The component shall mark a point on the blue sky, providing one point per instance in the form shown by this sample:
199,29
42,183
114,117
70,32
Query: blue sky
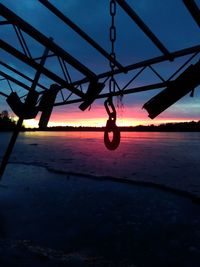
168,19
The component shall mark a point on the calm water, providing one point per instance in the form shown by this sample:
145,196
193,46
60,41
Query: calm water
171,159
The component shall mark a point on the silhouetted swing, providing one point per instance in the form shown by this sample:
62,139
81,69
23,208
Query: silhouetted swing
46,105
26,110
94,89
185,83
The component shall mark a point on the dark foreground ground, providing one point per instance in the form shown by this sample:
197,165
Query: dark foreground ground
48,219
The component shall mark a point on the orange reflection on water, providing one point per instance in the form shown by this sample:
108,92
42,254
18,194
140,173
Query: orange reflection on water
149,155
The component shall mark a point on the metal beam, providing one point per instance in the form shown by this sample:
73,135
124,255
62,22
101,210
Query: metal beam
5,22
10,78
118,93
151,61
193,9
156,60
18,127
38,58
21,74
42,39
78,30
132,14
3,94
8,48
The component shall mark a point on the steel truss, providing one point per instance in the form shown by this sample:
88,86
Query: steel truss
75,90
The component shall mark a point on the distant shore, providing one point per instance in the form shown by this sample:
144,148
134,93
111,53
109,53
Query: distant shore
7,125
168,127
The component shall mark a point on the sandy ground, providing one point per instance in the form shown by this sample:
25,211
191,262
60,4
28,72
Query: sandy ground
49,219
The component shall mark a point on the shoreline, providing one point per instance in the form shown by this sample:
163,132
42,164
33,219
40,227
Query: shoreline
179,192
187,126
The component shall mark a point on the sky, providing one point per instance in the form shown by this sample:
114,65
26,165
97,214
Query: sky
169,20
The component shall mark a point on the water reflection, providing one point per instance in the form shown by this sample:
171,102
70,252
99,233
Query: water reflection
169,158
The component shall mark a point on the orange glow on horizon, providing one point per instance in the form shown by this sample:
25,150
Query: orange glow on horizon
102,122
97,117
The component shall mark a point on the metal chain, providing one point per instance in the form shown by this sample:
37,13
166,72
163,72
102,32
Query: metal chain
113,9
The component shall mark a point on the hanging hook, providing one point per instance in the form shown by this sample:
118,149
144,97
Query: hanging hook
110,108
111,126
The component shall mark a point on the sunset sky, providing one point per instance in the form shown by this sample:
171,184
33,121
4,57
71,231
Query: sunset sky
168,19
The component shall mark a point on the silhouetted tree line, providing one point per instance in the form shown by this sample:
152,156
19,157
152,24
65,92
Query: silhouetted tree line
168,127
6,123
191,126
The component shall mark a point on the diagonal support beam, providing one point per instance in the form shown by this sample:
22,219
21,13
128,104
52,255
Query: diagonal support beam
22,41
8,48
151,61
42,39
132,14
21,118
3,94
21,74
193,9
10,78
118,93
5,22
78,30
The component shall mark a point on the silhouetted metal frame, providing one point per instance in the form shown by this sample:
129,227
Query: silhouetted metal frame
22,41
176,54
11,50
73,87
80,32
148,62
18,127
42,39
10,78
21,74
